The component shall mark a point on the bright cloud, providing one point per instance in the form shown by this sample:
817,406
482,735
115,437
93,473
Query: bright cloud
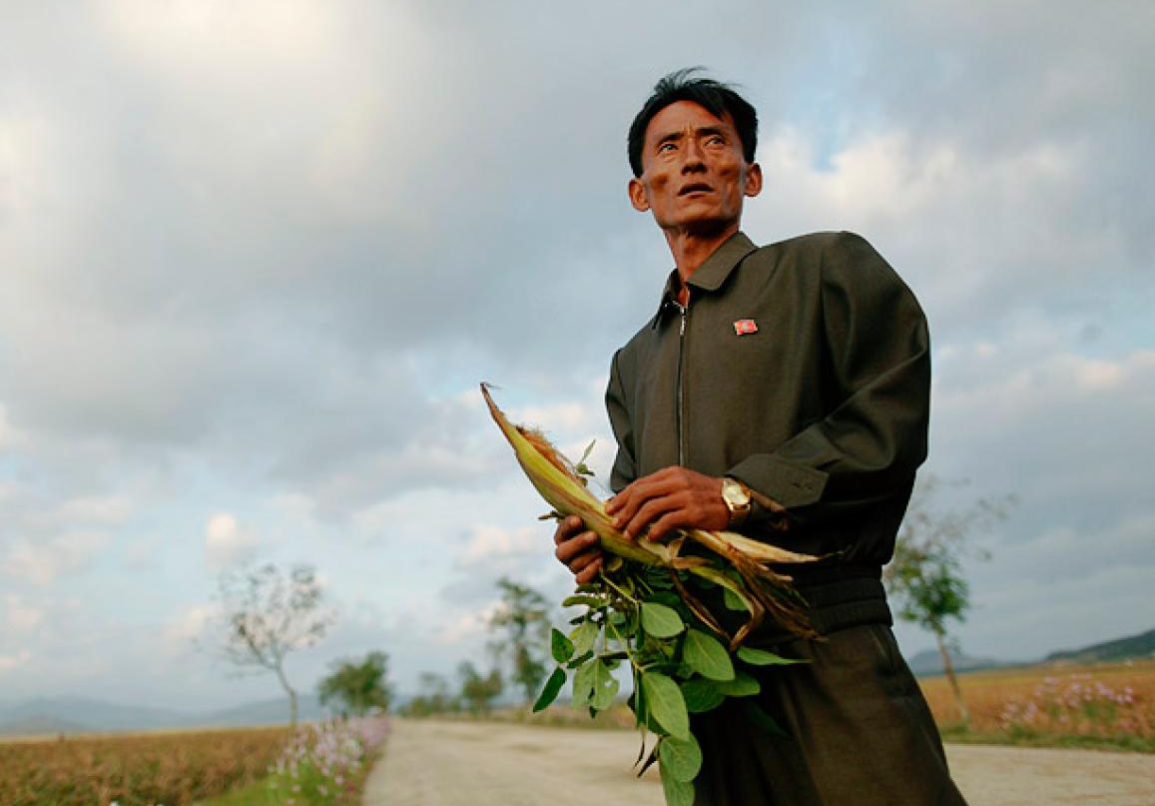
491,542
43,563
226,542
8,662
22,617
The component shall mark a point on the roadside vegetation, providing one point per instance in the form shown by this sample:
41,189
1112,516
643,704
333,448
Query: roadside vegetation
318,764
324,764
136,769
1110,706
1105,705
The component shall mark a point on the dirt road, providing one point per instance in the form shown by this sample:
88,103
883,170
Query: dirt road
429,763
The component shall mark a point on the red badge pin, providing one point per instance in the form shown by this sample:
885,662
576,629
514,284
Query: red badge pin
744,327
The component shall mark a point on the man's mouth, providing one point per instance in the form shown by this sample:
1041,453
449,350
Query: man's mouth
696,188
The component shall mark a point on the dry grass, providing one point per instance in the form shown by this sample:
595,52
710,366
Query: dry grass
1104,701
173,768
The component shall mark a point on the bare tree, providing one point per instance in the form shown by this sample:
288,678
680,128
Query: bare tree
925,576
268,614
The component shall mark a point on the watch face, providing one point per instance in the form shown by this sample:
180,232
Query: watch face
733,494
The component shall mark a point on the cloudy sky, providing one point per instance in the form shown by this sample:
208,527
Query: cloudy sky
255,258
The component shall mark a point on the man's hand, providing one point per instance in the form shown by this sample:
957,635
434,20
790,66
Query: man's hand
578,550
673,498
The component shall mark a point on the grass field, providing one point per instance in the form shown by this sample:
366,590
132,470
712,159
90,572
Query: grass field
322,763
172,768
1105,705
1109,704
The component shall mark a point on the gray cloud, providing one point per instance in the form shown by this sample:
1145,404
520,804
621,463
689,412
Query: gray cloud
266,252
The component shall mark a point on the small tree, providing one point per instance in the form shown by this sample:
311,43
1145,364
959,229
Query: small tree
523,621
269,614
358,687
434,697
478,692
925,576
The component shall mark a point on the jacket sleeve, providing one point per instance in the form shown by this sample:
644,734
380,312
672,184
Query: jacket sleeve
624,469
877,368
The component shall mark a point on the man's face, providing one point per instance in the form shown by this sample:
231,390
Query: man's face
694,177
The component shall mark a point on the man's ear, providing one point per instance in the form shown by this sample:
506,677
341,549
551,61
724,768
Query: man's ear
638,195
753,180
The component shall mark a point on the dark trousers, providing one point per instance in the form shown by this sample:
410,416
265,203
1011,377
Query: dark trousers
859,733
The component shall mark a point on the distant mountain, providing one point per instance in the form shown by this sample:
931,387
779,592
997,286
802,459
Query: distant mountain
71,715
928,663
75,714
1134,646
41,726
265,712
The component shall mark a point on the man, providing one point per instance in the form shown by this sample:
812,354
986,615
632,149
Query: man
782,392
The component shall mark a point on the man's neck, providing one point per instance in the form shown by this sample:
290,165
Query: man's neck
690,249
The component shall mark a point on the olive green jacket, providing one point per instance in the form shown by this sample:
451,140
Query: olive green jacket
802,369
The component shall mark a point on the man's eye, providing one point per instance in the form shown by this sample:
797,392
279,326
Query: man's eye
666,147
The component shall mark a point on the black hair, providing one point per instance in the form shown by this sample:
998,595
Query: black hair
715,97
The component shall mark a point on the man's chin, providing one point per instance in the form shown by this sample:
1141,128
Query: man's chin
705,226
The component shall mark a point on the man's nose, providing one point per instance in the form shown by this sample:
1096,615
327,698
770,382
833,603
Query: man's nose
693,158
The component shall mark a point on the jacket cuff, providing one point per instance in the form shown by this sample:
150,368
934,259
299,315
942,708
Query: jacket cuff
789,485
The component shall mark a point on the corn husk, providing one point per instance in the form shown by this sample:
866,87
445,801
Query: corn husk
764,591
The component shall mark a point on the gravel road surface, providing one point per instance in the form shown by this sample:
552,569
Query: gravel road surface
430,763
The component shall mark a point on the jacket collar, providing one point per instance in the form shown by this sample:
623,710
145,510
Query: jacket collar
710,275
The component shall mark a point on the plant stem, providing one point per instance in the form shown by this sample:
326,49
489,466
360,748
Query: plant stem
625,644
605,578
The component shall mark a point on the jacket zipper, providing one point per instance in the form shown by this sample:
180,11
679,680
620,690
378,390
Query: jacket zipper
679,410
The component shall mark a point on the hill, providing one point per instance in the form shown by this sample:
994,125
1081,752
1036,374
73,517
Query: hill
928,663
1134,646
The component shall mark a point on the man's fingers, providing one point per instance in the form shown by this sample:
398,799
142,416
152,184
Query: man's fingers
567,528
590,572
569,549
582,561
667,523
650,511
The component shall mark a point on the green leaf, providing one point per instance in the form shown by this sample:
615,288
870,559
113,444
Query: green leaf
605,686
583,684
586,454
582,599
743,685
678,793
665,704
623,626
733,601
732,587
637,703
667,597
758,717
701,695
551,690
760,657
584,637
559,646
705,655
681,758
661,621
580,659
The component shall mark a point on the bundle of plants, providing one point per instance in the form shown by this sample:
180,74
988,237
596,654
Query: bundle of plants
648,609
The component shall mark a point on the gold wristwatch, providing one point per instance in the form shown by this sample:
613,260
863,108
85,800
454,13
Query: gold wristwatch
737,498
